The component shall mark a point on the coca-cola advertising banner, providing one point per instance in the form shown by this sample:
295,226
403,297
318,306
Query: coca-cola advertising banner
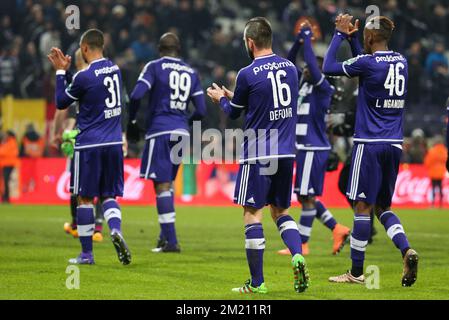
46,181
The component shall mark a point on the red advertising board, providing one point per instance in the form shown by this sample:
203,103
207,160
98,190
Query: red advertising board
46,181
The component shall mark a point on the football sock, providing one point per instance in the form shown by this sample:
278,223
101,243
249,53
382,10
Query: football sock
86,225
73,205
167,216
305,223
290,234
98,217
112,214
359,240
325,215
255,246
395,230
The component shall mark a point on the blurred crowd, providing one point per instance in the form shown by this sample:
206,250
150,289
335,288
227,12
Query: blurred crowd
211,35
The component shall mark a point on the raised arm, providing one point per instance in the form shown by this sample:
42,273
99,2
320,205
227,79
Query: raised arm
310,58
294,52
331,66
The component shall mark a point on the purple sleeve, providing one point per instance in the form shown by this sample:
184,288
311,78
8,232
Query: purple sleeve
240,99
331,66
356,48
134,100
147,75
310,59
230,110
198,100
293,53
64,97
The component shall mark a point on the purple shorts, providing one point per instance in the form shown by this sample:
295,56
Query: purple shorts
374,170
98,172
310,171
256,190
157,164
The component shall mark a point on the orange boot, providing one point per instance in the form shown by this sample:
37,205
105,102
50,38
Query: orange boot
340,235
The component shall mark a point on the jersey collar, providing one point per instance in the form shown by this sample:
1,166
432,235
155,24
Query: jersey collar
98,60
383,52
267,56
171,58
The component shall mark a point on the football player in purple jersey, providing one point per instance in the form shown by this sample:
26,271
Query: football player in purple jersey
267,93
312,143
172,84
378,137
98,154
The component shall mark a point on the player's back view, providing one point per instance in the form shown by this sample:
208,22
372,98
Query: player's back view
172,84
378,138
98,158
267,91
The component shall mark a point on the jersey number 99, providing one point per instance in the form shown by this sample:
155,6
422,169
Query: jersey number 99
180,84
281,91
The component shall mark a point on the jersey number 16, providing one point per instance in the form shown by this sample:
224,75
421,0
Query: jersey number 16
281,91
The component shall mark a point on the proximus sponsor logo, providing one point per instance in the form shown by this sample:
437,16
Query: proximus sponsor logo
106,70
390,58
272,66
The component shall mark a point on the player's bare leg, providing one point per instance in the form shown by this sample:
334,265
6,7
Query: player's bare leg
396,233
113,216
86,226
292,239
167,241
71,227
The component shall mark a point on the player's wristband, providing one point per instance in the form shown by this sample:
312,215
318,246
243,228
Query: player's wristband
60,72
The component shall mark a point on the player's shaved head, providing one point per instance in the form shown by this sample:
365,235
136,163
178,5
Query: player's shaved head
93,38
259,30
169,45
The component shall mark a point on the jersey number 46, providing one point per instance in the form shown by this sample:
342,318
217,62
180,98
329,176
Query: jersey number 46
395,82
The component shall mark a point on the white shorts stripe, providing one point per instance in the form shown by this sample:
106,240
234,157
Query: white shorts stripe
150,156
245,185
356,172
307,170
255,244
76,173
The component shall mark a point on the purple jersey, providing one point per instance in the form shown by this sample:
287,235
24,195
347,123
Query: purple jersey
313,106
172,84
267,90
382,90
97,89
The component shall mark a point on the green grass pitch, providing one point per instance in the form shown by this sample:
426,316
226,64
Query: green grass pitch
34,252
